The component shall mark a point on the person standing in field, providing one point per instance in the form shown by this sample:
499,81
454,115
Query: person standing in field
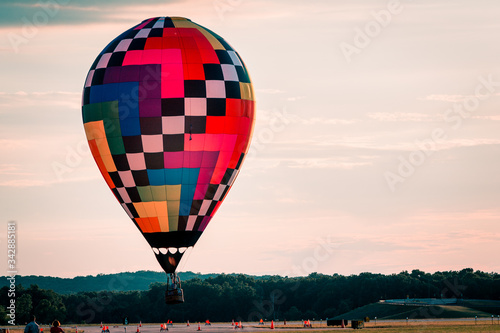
56,327
32,326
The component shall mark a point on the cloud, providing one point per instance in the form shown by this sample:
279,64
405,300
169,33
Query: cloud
19,99
322,120
450,98
475,215
286,117
9,145
405,116
338,162
326,163
27,13
445,98
43,180
420,240
270,91
380,143
296,98
12,169
23,183
351,141
459,143
494,117
292,200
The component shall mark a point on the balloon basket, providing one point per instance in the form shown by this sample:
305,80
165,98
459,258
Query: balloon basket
174,293
174,296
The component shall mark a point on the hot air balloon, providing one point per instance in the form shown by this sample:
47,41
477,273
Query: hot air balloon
168,110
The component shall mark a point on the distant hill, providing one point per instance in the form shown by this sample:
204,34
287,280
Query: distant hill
397,311
125,281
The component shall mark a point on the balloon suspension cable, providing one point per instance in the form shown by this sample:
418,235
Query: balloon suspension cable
183,262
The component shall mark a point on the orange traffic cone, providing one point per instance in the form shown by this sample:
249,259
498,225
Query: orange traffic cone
140,323
342,324
199,327
232,323
272,324
188,323
241,324
76,330
138,330
284,322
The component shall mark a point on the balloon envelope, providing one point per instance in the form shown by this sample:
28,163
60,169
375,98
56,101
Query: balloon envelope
168,110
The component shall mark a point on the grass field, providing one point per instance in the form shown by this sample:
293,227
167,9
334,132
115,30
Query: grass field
396,311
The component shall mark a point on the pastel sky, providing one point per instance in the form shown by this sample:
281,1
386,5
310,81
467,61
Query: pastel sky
376,146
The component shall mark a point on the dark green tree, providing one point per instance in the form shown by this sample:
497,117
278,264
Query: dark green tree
24,308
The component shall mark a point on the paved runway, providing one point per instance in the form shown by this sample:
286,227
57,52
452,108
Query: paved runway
214,327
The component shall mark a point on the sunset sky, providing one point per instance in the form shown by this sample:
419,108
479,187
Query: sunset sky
376,146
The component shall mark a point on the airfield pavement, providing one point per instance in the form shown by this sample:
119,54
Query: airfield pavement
383,326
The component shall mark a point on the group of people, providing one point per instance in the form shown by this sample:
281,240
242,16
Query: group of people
33,327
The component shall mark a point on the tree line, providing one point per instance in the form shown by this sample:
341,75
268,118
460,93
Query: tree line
241,297
124,281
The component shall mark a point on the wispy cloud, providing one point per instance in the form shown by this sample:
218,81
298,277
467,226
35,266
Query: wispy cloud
493,117
326,163
405,116
451,98
322,120
475,215
12,169
270,91
66,99
443,145
338,162
10,145
38,180
459,143
444,98
295,98
23,183
22,12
